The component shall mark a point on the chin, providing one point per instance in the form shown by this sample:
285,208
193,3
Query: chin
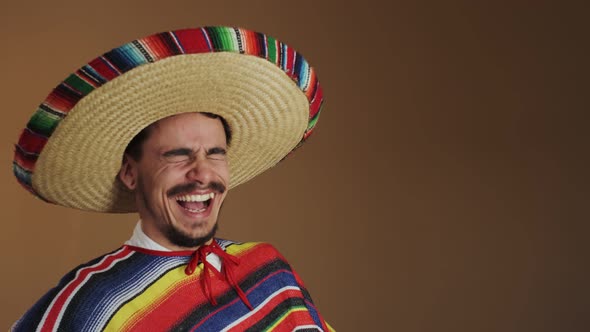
181,239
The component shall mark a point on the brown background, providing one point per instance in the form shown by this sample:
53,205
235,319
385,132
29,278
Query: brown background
445,188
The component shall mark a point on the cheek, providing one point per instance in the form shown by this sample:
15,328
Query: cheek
225,175
158,181
223,172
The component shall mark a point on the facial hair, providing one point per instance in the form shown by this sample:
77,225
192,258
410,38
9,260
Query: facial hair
191,186
177,237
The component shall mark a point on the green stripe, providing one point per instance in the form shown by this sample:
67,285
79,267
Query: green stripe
314,120
43,123
79,84
280,318
224,39
272,49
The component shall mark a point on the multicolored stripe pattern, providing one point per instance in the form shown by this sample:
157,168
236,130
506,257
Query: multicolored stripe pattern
148,50
135,289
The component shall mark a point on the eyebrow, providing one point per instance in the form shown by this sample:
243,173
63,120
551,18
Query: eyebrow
216,150
188,152
178,152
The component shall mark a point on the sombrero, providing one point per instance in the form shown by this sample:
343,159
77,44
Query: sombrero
71,149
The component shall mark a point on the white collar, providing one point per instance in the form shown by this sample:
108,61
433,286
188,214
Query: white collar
141,240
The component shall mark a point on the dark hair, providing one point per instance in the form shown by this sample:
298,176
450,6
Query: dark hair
134,150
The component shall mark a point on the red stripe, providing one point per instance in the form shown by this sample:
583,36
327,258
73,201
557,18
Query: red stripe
59,101
250,42
60,300
26,161
316,102
268,307
246,41
157,46
103,69
290,61
309,304
213,313
307,134
192,40
31,142
82,75
166,312
312,85
277,54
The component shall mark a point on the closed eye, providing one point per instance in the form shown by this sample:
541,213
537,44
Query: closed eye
177,155
217,153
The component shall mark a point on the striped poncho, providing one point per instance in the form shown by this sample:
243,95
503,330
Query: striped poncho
139,289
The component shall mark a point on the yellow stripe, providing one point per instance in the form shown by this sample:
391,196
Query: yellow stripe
141,305
237,249
282,318
159,291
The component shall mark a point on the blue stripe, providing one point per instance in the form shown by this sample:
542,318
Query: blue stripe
126,57
22,174
94,74
256,295
112,289
301,68
313,312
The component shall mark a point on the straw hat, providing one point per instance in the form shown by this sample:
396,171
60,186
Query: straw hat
71,149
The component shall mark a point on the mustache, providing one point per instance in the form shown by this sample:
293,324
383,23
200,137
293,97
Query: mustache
192,186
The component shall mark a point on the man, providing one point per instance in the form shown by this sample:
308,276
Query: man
165,126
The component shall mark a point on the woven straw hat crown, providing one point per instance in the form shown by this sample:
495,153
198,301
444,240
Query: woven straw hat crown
71,149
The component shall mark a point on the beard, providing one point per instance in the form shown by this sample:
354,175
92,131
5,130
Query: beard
173,234
179,238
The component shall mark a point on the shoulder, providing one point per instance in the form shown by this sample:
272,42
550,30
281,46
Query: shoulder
49,309
262,259
259,250
286,304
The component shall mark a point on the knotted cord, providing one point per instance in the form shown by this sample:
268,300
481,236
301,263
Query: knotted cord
228,263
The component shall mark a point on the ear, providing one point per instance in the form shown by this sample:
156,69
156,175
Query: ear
128,172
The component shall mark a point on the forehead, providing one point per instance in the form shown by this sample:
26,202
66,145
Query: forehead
186,128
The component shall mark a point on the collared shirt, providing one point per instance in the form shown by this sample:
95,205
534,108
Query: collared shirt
141,240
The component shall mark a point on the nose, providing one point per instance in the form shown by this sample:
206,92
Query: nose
201,171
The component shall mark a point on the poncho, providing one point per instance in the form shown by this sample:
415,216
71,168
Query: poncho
137,289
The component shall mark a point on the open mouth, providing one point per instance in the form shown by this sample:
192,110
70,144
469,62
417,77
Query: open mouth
195,203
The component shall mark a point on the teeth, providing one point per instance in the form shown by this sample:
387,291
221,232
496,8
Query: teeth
195,198
196,211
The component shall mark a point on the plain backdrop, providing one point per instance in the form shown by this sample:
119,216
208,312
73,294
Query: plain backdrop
445,188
